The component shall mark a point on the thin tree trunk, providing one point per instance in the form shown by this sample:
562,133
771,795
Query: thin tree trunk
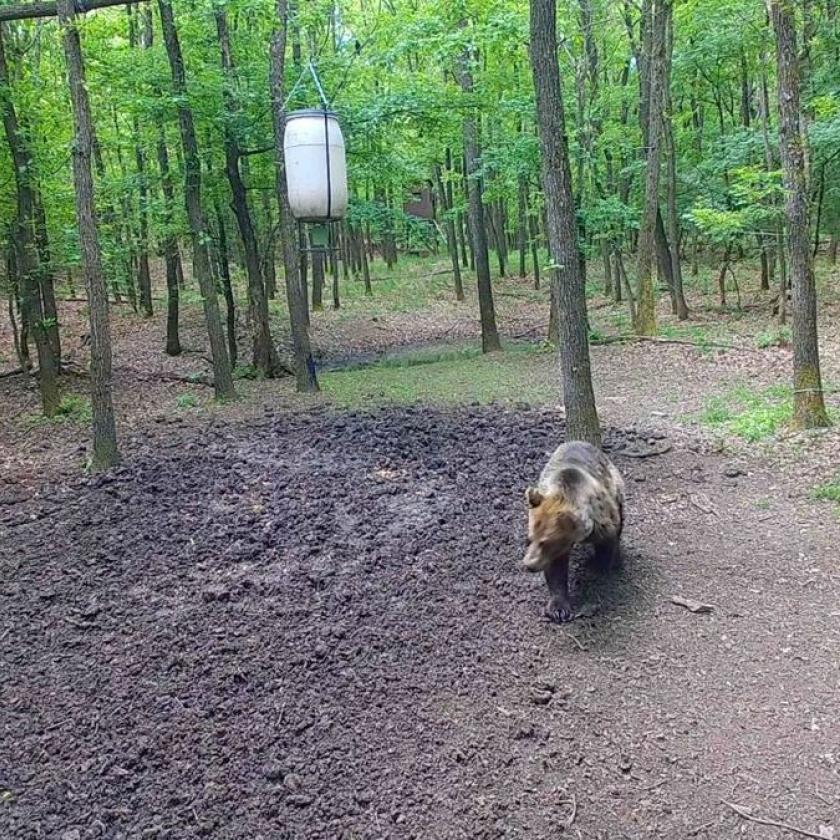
317,280
270,251
144,276
365,264
170,248
26,265
264,355
105,452
809,407
45,277
655,64
535,256
335,286
305,378
522,223
222,376
449,227
678,293
567,280
223,262
489,332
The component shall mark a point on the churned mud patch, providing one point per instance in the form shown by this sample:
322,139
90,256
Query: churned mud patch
316,627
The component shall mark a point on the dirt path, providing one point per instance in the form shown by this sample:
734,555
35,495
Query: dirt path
317,629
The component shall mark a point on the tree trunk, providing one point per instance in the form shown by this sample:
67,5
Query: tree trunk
223,263
645,323
663,258
365,264
144,277
449,227
317,280
222,377
270,251
522,224
26,262
305,378
105,452
45,277
263,353
567,281
671,151
170,248
606,258
335,285
809,407
535,256
489,332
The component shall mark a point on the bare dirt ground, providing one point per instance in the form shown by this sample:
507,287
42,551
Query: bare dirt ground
279,620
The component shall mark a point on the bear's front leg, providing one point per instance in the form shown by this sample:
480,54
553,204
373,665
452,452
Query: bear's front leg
558,608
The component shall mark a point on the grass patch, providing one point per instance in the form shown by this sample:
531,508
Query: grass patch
457,376
773,337
750,415
829,492
186,401
246,372
73,408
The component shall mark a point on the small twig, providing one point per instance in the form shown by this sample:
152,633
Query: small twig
571,818
702,503
655,785
691,605
570,636
741,811
83,625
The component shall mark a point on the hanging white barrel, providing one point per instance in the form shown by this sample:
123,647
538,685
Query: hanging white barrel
316,169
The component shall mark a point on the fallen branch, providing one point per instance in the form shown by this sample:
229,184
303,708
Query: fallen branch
744,813
655,339
644,453
691,605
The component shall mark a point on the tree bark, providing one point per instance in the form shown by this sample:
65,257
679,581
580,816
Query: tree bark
105,452
222,376
645,323
223,273
489,333
809,406
45,277
305,378
567,281
671,151
449,227
264,354
26,257
144,276
317,280
270,250
171,255
522,223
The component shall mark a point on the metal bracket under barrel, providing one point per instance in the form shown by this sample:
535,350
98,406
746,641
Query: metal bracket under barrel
321,238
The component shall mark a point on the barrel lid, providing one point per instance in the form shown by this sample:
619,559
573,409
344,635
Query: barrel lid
310,112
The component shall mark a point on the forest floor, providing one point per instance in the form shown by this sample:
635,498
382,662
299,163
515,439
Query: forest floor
305,618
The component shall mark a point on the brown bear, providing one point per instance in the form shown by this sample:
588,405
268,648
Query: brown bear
579,500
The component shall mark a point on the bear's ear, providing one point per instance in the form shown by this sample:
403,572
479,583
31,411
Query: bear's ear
533,497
